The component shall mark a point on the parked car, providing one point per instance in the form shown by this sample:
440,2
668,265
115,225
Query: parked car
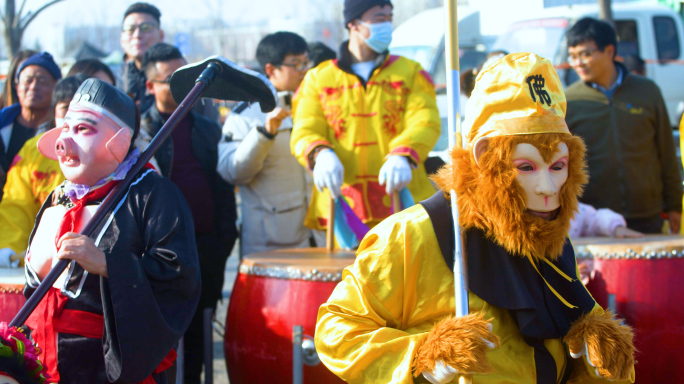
651,31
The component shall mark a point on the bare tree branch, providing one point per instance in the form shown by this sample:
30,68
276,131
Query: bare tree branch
21,8
32,15
9,14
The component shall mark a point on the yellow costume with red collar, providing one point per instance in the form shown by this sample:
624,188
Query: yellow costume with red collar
393,113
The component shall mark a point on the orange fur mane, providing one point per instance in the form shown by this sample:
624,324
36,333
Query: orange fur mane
490,198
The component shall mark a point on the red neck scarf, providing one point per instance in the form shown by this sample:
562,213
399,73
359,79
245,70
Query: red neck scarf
72,218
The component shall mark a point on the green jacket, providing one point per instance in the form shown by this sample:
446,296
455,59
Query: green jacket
633,168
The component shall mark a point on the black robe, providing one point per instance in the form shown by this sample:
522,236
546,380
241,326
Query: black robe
151,293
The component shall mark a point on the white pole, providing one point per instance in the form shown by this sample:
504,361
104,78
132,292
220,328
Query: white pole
455,139
453,98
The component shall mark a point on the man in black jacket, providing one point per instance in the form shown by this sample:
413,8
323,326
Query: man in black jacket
140,30
189,159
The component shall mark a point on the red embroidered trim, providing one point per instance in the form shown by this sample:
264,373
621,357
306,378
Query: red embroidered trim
16,159
365,144
406,151
313,146
316,144
427,77
390,61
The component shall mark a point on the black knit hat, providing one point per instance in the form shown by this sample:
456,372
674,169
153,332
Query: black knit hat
42,59
114,103
353,9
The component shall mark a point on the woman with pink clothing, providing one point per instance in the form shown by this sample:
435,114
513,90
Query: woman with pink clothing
589,222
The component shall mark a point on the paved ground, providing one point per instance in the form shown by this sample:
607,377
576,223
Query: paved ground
220,372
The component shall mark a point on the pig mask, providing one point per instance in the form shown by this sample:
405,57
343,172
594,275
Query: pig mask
93,140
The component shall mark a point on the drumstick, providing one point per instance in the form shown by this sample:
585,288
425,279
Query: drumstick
396,202
330,235
18,256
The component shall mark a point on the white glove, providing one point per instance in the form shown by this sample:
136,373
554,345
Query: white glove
5,258
397,172
328,172
585,352
442,373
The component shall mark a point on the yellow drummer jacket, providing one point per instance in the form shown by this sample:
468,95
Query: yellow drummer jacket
388,301
394,113
29,181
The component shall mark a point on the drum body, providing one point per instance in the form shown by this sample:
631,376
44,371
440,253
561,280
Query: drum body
642,279
273,292
11,293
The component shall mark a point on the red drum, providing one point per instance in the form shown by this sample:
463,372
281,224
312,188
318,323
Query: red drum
11,292
273,292
642,280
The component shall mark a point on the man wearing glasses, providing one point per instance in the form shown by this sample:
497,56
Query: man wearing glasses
255,154
365,123
140,31
188,157
633,168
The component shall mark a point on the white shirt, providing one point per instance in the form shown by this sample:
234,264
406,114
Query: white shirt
6,134
363,69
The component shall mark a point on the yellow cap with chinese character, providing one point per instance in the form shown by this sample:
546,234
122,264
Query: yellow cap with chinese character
517,95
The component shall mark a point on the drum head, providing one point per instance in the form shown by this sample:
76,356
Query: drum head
311,264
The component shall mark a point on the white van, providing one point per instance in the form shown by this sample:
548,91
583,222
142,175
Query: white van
651,31
421,38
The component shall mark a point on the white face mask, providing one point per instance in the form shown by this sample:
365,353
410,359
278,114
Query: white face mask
541,181
380,36
59,122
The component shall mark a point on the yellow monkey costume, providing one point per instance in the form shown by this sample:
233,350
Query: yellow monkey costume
389,321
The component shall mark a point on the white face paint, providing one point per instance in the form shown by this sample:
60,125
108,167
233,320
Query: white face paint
4,379
541,181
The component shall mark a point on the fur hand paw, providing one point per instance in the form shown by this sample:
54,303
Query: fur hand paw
606,344
456,345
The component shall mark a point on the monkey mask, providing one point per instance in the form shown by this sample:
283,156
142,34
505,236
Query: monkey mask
521,171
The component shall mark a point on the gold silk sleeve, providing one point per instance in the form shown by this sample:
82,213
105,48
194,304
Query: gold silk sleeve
386,304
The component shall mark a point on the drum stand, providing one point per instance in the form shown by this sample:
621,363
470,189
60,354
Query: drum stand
303,348
303,352
208,346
